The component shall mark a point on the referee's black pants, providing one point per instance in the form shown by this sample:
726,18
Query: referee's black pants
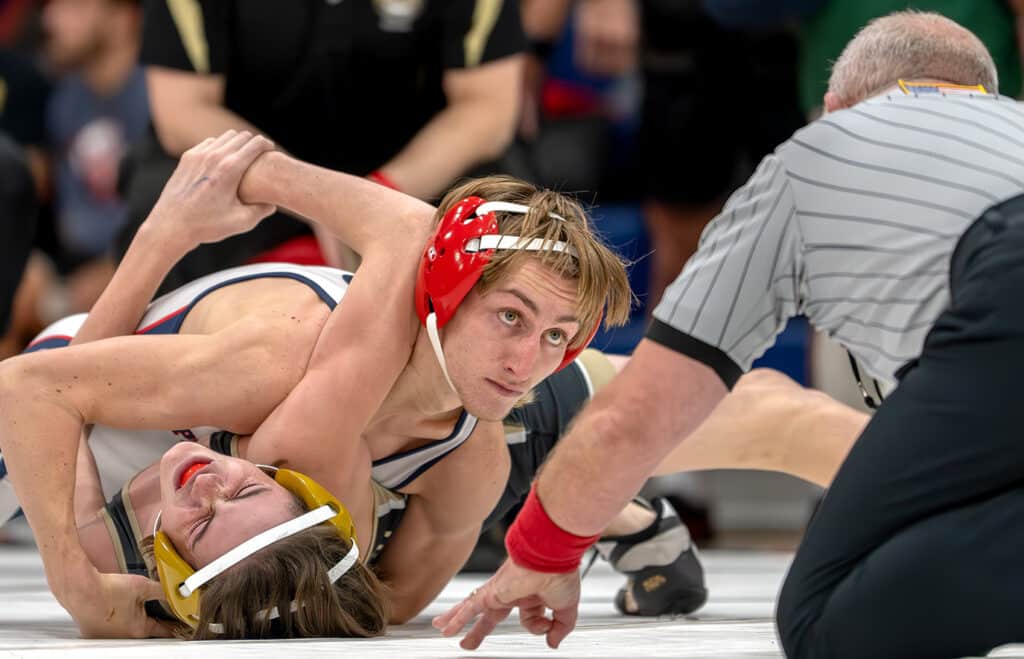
917,550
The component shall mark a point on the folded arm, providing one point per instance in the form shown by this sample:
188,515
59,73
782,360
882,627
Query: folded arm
129,382
441,524
372,219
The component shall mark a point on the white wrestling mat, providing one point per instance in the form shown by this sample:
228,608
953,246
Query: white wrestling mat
735,623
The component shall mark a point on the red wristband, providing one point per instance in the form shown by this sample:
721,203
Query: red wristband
537,543
378,176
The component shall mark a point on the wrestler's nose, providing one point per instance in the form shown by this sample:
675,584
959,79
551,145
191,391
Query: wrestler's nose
521,357
207,487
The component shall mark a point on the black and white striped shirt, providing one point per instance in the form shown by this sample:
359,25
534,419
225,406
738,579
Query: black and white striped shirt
851,222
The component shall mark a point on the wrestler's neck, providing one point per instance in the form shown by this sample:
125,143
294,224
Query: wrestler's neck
144,497
421,404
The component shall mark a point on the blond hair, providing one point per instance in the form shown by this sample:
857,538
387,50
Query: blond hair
910,45
600,274
292,569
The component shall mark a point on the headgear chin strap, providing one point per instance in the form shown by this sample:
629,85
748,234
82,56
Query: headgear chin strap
182,584
454,261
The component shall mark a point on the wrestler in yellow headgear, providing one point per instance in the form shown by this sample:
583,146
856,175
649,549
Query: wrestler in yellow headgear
182,584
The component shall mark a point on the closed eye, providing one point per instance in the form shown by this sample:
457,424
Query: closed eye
250,490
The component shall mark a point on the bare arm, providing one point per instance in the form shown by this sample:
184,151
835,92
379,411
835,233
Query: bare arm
477,125
374,220
658,399
544,19
189,107
89,498
137,382
441,524
198,204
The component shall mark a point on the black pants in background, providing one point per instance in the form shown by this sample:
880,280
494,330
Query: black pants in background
917,550
18,210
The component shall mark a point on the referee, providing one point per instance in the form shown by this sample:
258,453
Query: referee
896,224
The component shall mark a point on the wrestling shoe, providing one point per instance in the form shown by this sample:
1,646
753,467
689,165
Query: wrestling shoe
661,565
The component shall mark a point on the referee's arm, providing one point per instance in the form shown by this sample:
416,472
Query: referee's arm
726,307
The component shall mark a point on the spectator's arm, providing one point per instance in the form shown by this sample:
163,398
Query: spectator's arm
607,36
476,126
543,20
189,107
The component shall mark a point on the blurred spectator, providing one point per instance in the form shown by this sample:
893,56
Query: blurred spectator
826,32
97,110
410,92
24,90
759,14
18,207
699,138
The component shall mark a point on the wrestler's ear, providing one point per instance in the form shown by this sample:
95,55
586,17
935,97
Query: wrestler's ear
833,103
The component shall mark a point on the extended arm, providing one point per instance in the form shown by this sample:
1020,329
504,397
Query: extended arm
198,204
441,524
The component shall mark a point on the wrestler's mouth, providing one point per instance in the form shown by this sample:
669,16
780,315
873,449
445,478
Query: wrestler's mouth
506,391
188,470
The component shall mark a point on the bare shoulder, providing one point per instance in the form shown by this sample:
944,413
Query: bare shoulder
265,297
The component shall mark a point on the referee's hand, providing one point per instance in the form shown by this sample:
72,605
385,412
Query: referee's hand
534,593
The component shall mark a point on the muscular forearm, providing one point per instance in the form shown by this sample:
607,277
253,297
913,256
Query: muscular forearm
359,212
619,439
458,137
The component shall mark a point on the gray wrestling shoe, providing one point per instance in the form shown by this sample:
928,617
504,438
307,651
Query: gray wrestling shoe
663,570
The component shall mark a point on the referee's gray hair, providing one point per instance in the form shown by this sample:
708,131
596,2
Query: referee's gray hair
910,45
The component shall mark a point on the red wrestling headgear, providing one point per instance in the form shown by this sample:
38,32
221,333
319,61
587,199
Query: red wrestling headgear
454,260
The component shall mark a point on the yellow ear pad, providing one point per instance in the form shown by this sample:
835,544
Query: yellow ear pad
173,570
315,495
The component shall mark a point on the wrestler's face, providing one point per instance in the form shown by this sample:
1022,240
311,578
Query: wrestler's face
498,346
217,507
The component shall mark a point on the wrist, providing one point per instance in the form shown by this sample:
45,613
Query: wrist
155,239
260,183
535,542
72,578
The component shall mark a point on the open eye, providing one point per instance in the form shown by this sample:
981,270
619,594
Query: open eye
555,337
508,316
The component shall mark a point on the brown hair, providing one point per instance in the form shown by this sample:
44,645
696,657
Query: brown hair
292,569
600,274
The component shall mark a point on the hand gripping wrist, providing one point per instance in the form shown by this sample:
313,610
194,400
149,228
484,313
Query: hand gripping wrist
535,542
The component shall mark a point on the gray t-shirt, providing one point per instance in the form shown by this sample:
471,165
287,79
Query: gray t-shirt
851,222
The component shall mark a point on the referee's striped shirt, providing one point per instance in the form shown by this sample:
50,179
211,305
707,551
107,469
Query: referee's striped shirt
851,222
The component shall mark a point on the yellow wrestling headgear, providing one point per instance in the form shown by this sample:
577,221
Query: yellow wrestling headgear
182,584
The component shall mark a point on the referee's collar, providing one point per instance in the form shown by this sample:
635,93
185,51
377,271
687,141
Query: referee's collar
934,88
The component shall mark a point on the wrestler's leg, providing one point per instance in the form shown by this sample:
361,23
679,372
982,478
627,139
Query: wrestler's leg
769,422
